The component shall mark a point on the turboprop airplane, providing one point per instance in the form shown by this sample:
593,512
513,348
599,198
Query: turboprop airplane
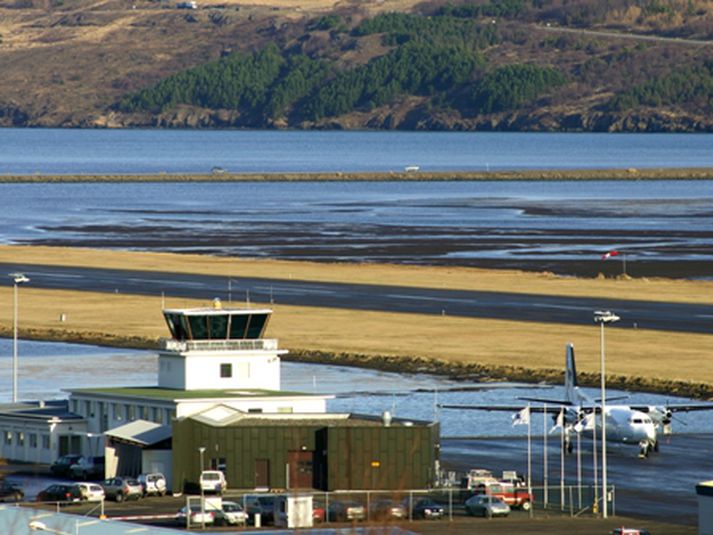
628,424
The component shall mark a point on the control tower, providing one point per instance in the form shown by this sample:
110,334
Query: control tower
218,348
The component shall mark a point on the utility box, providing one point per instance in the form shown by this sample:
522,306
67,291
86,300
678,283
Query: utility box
294,512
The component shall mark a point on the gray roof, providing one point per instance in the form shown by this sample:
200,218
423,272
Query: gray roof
16,520
223,416
141,432
39,410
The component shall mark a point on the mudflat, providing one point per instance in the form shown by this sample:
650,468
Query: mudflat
637,359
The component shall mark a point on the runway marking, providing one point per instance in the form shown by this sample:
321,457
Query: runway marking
437,299
566,307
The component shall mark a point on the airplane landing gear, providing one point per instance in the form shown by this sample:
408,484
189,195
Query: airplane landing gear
644,449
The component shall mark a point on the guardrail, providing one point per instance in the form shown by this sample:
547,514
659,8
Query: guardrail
182,346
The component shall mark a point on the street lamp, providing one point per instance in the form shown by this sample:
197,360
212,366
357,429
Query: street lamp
18,279
200,484
601,317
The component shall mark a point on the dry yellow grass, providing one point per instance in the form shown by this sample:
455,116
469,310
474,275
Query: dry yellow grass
490,343
653,356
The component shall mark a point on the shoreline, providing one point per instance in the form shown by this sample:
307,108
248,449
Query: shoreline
459,371
704,173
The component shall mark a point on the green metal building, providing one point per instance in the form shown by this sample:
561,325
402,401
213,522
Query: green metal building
320,451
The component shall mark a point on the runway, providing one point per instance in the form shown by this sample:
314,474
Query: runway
662,316
661,487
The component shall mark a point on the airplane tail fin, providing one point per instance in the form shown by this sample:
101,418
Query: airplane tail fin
570,376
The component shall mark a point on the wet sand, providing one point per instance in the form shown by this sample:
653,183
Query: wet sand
673,255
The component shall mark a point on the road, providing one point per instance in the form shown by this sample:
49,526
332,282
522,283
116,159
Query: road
621,35
661,487
677,317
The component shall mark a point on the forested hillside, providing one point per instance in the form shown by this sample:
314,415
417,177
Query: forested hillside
593,65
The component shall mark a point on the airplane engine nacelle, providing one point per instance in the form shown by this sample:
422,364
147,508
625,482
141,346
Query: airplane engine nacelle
662,417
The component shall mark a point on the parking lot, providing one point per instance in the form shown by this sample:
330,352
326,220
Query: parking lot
161,511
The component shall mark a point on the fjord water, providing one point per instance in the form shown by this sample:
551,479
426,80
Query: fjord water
46,368
63,151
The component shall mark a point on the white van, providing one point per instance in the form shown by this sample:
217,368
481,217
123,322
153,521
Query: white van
212,481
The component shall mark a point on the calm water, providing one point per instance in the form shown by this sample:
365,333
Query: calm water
45,368
28,151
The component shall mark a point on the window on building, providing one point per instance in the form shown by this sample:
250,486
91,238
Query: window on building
144,412
218,327
75,406
226,370
20,438
254,410
170,415
156,414
130,413
116,408
33,440
46,442
8,438
88,409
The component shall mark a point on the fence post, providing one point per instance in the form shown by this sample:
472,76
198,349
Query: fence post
571,502
326,506
450,504
410,506
613,500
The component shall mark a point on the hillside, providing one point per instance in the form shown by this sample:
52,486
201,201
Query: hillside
619,65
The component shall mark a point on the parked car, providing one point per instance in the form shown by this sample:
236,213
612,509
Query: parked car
629,531
319,514
87,468
153,484
387,510
60,493
265,505
91,492
212,481
10,492
231,514
487,506
342,511
62,465
197,517
428,509
122,488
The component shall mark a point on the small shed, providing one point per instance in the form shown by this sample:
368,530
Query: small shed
139,447
705,507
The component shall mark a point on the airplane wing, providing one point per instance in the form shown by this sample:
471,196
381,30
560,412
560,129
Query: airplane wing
550,401
503,408
675,407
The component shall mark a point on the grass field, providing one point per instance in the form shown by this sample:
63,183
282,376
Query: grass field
636,359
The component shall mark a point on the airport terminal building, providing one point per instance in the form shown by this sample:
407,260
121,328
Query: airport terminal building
219,389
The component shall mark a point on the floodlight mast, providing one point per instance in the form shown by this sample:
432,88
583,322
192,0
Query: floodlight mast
601,317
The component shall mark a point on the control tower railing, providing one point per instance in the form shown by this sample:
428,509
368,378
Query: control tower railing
182,346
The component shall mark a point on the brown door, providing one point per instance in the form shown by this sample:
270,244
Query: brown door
262,473
301,469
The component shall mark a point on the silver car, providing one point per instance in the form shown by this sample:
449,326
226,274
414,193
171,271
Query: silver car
487,506
122,488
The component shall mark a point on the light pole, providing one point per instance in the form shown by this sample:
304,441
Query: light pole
18,278
200,484
601,317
